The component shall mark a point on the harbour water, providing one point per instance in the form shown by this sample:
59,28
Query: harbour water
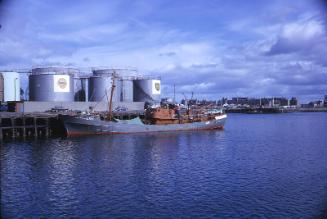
272,166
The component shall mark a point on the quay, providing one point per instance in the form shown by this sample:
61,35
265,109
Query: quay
33,125
14,125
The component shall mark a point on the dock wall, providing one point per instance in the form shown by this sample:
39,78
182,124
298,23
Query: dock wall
21,126
36,106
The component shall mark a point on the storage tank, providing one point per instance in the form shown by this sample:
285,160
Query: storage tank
146,89
81,89
104,72
100,85
11,86
52,84
126,94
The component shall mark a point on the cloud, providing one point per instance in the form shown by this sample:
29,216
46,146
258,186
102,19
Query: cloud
198,87
306,38
169,54
84,35
213,49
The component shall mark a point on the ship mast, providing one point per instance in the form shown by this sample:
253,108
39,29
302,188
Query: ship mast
188,106
111,95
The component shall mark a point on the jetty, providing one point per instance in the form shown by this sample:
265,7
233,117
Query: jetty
21,126
15,125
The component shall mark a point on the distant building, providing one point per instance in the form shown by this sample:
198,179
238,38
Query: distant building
230,102
239,101
259,102
314,104
305,105
293,101
254,102
192,101
242,100
265,101
222,101
325,101
206,102
280,101
189,102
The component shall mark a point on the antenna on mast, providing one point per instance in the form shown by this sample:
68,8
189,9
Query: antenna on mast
188,106
174,93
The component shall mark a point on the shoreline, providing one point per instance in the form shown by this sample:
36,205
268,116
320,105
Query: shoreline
272,110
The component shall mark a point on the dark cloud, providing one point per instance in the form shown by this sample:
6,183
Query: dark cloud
310,79
309,90
3,11
323,4
305,39
285,46
313,49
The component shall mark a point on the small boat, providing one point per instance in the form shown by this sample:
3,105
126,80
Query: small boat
164,118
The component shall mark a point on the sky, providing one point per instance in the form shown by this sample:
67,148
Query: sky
214,48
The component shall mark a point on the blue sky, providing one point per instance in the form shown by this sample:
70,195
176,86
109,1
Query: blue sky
215,48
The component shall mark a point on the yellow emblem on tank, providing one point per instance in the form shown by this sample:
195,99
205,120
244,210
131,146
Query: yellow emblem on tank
62,83
157,86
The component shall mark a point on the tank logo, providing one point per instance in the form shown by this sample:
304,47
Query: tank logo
61,83
157,86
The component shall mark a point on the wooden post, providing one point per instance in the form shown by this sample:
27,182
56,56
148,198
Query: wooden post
35,127
13,129
1,128
24,127
47,127
1,134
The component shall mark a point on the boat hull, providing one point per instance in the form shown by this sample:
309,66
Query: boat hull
77,126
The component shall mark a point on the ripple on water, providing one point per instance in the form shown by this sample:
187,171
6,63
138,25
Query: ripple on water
259,166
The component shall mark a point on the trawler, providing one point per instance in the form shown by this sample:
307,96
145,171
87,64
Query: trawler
163,118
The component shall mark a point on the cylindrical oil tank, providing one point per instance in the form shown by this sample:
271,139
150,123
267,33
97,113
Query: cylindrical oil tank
77,89
100,85
11,86
104,72
52,84
146,90
126,94
81,87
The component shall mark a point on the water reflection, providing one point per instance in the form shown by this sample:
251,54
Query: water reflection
250,168
64,174
61,178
